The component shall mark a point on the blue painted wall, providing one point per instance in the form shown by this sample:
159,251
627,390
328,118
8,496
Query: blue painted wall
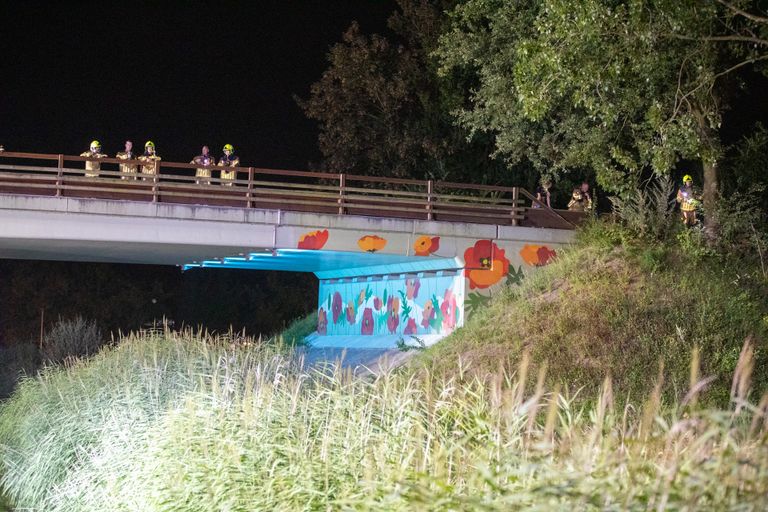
413,305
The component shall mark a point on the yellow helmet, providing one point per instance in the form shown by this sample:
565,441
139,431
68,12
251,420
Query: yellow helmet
687,178
228,147
95,144
149,143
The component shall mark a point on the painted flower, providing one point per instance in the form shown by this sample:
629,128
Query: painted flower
428,314
322,322
537,255
393,314
412,286
485,264
377,303
351,313
313,240
448,308
424,245
366,326
410,327
371,243
336,307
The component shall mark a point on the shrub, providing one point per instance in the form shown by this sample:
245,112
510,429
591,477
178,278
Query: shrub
649,212
71,338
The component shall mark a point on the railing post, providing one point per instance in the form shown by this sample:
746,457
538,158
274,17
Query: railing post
249,194
515,197
155,179
430,191
342,184
59,175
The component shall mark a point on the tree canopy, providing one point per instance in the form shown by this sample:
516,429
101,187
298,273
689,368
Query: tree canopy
383,110
612,87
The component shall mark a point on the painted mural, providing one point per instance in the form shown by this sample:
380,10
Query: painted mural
410,305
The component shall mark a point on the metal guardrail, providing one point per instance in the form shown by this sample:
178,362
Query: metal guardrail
304,191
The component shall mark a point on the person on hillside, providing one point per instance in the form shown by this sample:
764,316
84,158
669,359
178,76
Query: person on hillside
150,158
229,160
688,198
128,171
587,196
202,174
543,196
93,167
577,202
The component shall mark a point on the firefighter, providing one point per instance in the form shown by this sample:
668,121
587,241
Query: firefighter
688,199
203,175
150,158
128,171
587,196
543,195
229,160
577,202
92,167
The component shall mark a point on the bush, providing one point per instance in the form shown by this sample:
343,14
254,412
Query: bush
650,211
71,338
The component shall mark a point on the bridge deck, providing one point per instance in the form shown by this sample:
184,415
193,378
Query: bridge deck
301,191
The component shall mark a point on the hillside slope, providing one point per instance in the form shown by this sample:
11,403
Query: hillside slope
620,309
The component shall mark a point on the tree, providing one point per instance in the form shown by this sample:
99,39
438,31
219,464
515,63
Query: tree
615,87
383,110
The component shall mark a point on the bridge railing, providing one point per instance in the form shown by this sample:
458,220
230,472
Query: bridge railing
254,187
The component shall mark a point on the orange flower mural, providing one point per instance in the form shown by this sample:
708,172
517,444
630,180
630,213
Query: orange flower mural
424,245
313,240
371,243
537,255
486,264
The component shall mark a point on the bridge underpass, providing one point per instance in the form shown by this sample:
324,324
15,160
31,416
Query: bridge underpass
384,278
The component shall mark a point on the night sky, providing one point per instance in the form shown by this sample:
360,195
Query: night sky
182,74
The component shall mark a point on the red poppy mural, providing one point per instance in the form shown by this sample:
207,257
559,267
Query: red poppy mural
314,240
448,308
322,322
537,255
428,314
410,327
393,314
367,324
424,245
486,264
336,307
351,312
371,243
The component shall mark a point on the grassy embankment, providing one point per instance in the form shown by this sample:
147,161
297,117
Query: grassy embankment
177,422
617,308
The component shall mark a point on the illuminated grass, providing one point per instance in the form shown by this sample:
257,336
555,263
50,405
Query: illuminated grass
176,422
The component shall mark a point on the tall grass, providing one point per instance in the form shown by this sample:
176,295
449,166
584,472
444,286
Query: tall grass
179,422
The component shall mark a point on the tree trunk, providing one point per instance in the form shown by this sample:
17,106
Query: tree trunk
712,151
710,189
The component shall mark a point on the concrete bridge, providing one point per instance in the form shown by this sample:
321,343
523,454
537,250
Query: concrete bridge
394,262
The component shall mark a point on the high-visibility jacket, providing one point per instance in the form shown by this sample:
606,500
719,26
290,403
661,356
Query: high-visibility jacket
92,168
149,167
229,161
576,203
201,172
687,198
127,169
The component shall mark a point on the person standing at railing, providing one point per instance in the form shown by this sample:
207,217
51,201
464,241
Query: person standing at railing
587,196
150,158
229,160
543,196
203,175
92,167
128,171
